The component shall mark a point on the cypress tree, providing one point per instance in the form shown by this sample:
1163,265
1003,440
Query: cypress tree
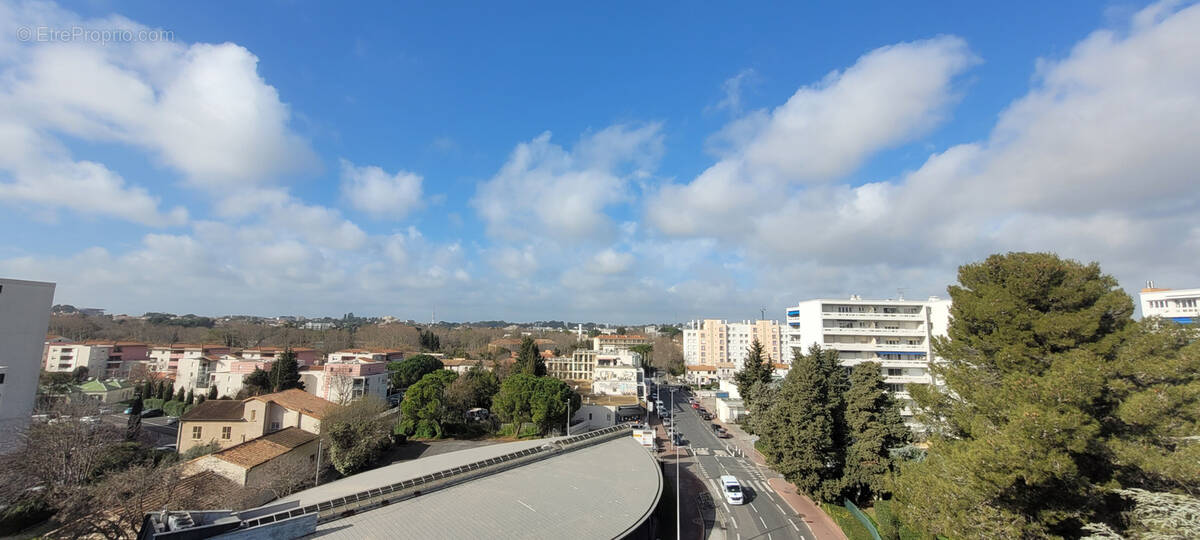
874,426
756,368
529,359
285,372
212,392
797,430
133,426
180,396
191,397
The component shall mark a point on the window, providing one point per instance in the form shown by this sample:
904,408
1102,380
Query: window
196,430
893,387
227,433
2,378
895,372
252,414
274,426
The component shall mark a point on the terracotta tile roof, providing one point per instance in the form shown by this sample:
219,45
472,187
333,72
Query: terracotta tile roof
689,368
215,409
299,401
257,451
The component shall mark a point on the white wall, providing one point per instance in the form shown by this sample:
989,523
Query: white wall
24,318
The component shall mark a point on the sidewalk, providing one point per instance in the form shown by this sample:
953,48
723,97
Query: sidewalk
692,515
821,524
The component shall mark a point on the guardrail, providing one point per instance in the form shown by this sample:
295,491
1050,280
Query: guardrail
350,504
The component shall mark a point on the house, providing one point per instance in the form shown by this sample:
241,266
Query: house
366,355
344,381
460,365
229,422
107,391
254,462
304,355
701,374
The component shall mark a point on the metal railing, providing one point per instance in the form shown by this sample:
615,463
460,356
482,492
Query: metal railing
345,506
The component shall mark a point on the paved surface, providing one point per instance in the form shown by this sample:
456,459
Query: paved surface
596,492
819,523
766,514
155,430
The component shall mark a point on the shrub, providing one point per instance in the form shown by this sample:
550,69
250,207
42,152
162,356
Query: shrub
25,513
851,527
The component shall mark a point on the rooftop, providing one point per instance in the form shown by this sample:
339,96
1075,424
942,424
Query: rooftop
215,409
263,449
299,401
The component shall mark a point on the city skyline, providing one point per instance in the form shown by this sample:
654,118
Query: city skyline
637,170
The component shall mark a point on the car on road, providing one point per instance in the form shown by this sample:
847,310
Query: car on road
722,433
732,489
706,415
172,420
152,413
695,405
128,410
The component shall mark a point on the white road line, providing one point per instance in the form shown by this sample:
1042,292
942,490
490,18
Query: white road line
763,521
731,520
526,505
780,509
794,526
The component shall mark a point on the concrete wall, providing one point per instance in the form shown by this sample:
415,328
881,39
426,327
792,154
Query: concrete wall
240,432
304,455
217,465
24,317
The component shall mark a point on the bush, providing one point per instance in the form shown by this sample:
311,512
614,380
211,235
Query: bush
152,403
889,525
25,513
202,450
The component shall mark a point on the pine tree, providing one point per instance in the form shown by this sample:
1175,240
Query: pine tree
212,392
191,397
529,359
1017,448
756,368
797,430
147,389
837,383
180,395
874,427
285,372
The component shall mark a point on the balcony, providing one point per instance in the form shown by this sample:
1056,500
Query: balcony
919,316
873,347
839,331
907,379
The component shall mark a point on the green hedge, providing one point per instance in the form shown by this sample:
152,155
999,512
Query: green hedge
889,524
176,408
152,403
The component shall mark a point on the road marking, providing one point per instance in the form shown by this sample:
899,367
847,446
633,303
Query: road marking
780,508
763,521
794,526
526,505
731,520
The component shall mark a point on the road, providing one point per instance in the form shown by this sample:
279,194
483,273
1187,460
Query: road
765,515
157,429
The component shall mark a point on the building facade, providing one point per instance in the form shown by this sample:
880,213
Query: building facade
1179,305
24,317
165,358
67,357
898,334
714,341
342,382
230,422
618,342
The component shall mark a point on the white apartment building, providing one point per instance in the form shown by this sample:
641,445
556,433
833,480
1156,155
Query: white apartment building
713,342
1179,305
24,317
67,357
897,334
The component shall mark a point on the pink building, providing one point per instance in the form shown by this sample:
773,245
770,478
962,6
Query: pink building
122,356
165,358
341,382
304,355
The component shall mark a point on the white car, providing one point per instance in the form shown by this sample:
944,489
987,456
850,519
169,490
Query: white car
731,489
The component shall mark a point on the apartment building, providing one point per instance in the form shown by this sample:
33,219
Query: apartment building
228,422
165,358
1179,305
578,367
618,342
24,317
304,355
67,357
897,334
715,341
365,355
345,381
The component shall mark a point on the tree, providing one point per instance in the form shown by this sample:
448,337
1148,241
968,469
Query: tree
424,407
407,372
475,389
356,434
540,400
875,427
593,332
646,351
285,372
621,330
180,396
512,403
430,341
797,431
133,426
341,388
1017,429
256,383
529,359
80,374
212,392
191,397
756,368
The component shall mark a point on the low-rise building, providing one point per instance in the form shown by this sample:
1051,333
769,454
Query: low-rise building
730,410
165,358
107,391
67,357
462,365
229,422
701,374
345,381
618,342
304,355
366,355
254,462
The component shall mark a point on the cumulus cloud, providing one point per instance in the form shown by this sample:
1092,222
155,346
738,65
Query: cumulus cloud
547,191
378,193
823,132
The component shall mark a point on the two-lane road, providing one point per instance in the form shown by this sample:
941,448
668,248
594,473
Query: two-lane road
765,515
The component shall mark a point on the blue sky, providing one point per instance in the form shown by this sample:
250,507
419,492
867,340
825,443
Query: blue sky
607,162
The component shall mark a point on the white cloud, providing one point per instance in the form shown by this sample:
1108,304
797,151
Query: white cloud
544,190
610,261
823,132
378,193
732,90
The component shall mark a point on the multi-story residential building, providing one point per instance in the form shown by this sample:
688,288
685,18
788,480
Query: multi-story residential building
577,367
304,355
123,356
364,355
898,334
1179,305
345,381
714,341
165,358
228,422
68,357
24,317
618,342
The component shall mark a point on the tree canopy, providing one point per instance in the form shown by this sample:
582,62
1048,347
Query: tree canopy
756,368
541,400
285,372
529,359
356,434
407,372
424,408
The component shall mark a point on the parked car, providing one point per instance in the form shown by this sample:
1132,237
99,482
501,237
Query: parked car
695,405
706,416
128,410
172,420
152,413
721,433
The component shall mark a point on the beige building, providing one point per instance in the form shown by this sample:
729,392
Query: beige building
232,422
714,341
618,343
253,463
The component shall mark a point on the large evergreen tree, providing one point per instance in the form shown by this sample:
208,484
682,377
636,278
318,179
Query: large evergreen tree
424,405
407,372
133,426
797,431
529,359
212,392
756,368
285,372
1016,450
256,382
874,427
